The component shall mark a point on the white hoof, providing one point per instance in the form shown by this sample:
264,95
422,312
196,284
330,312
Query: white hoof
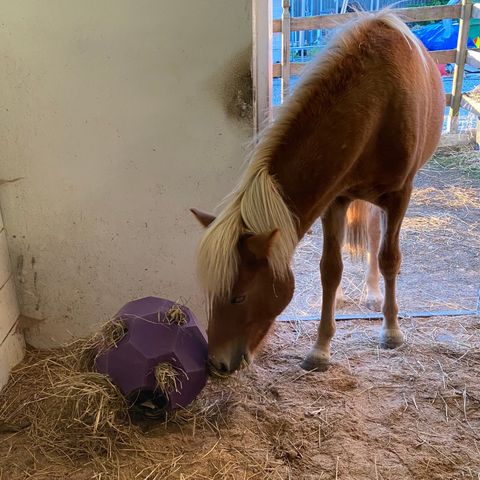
391,338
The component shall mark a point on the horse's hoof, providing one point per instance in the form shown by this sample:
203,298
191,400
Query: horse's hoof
315,362
374,304
391,339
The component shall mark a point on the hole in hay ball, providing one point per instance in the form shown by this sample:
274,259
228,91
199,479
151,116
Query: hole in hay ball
155,403
148,403
176,316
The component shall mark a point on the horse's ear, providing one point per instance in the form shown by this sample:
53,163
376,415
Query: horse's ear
204,218
261,245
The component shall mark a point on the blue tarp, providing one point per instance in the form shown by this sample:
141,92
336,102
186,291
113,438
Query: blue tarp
440,36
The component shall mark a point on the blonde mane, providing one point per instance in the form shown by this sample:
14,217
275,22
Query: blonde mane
256,205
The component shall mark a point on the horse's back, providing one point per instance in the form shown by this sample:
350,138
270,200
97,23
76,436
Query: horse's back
363,118
397,103
417,98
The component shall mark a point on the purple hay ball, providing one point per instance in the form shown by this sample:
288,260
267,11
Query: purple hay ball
152,339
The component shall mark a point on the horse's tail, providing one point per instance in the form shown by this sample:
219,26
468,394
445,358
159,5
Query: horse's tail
356,241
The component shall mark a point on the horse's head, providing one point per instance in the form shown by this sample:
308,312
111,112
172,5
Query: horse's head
238,322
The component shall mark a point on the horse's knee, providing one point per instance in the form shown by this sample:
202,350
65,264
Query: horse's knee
389,262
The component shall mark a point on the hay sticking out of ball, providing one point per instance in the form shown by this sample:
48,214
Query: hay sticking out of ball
166,377
83,352
176,316
109,335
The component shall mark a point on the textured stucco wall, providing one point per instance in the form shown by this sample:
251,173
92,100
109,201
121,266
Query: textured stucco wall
119,115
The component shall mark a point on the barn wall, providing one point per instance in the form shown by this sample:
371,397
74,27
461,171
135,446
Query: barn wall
119,115
11,342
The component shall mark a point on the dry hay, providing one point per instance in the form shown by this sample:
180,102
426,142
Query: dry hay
411,413
474,94
454,196
108,336
426,223
176,315
462,159
64,410
69,410
167,378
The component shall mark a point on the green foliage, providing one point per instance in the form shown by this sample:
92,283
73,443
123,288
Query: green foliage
464,161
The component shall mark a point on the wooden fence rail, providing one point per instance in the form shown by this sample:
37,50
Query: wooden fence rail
459,56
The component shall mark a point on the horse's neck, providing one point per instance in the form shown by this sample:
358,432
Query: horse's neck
307,156
307,181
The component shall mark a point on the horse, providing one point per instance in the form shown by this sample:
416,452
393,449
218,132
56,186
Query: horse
363,119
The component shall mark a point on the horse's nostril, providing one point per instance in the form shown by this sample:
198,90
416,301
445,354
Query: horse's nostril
222,368
217,368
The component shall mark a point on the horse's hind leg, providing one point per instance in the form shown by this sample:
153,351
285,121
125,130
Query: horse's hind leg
374,295
331,267
394,206
339,297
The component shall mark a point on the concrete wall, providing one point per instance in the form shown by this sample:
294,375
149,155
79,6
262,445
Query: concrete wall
12,346
119,115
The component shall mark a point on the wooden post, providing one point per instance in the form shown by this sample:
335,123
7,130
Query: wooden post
262,63
301,37
285,85
452,124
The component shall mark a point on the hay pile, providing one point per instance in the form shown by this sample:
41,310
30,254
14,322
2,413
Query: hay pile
69,410
65,407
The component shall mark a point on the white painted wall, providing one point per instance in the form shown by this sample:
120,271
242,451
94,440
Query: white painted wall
120,115
12,345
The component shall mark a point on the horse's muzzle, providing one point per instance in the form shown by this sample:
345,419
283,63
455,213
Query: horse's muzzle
218,368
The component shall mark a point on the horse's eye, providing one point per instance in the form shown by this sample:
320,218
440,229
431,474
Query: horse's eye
239,299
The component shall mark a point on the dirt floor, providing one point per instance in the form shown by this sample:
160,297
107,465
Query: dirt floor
441,233
412,413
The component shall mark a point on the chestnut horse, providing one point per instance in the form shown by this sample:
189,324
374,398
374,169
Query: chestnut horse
363,119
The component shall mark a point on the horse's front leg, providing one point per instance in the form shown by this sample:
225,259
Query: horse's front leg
395,205
331,267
